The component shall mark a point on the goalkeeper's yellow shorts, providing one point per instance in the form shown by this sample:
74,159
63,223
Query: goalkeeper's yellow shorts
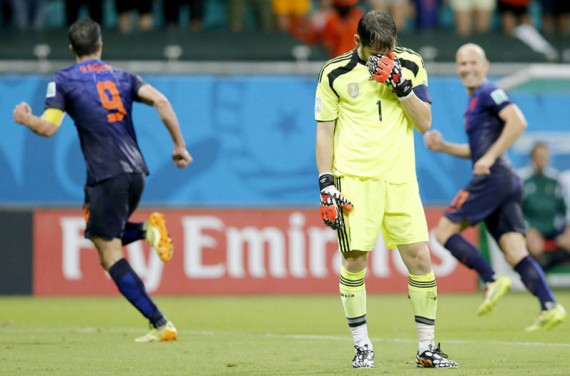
394,209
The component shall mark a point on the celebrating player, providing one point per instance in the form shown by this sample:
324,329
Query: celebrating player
494,194
368,102
99,98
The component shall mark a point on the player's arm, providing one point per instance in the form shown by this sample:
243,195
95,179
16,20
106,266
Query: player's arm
417,111
324,149
515,124
332,201
46,125
434,141
151,96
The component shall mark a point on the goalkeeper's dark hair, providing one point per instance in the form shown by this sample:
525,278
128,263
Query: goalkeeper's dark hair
377,29
85,37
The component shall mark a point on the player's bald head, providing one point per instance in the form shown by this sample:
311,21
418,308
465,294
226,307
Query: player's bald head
472,50
472,66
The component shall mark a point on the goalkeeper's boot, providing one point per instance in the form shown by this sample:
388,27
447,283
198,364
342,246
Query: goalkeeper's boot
493,292
434,358
164,333
548,319
157,236
364,357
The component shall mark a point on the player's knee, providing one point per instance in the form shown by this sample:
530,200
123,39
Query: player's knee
354,261
445,229
514,247
416,258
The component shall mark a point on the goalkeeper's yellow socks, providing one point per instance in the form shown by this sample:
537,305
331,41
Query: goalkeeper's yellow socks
422,291
353,297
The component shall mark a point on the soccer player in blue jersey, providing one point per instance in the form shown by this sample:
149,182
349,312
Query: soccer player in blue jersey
99,98
368,102
494,194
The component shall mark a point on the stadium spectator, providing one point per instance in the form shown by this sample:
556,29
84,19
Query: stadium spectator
494,194
398,9
514,13
171,10
317,21
292,16
340,27
128,10
238,10
555,16
516,21
472,15
427,14
544,209
365,153
28,14
99,98
73,8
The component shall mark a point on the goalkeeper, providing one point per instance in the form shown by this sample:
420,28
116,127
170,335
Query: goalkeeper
367,103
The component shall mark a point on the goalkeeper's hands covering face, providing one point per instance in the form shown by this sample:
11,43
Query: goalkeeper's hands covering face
332,202
388,69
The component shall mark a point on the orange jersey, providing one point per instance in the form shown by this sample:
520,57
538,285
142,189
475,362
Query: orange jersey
338,34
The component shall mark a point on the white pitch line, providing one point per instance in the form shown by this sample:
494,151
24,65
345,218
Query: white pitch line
315,337
409,340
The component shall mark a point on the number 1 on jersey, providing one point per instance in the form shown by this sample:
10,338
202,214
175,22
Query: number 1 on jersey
379,103
111,100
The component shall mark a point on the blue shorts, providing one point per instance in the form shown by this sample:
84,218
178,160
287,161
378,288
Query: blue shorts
110,203
494,199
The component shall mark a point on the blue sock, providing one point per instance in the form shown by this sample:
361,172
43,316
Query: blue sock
132,288
533,278
133,232
469,256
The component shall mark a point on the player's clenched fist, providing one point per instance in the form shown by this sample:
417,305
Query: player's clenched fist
181,157
332,203
22,112
433,140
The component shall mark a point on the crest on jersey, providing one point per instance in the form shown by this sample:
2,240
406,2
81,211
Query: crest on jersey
50,90
353,89
499,96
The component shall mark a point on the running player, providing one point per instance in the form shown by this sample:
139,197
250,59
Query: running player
494,194
99,98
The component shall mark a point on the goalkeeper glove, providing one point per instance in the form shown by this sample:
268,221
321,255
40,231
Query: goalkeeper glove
388,69
332,203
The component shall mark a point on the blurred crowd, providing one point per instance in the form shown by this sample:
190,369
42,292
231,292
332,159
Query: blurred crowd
327,22
546,208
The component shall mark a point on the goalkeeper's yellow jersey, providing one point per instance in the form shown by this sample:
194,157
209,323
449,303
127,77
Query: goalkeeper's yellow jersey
373,138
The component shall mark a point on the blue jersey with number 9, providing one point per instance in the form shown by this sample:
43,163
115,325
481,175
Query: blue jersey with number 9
99,99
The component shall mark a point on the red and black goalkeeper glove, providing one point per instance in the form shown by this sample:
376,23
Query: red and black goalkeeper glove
387,69
332,203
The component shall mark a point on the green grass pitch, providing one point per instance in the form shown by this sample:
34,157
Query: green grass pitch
271,335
